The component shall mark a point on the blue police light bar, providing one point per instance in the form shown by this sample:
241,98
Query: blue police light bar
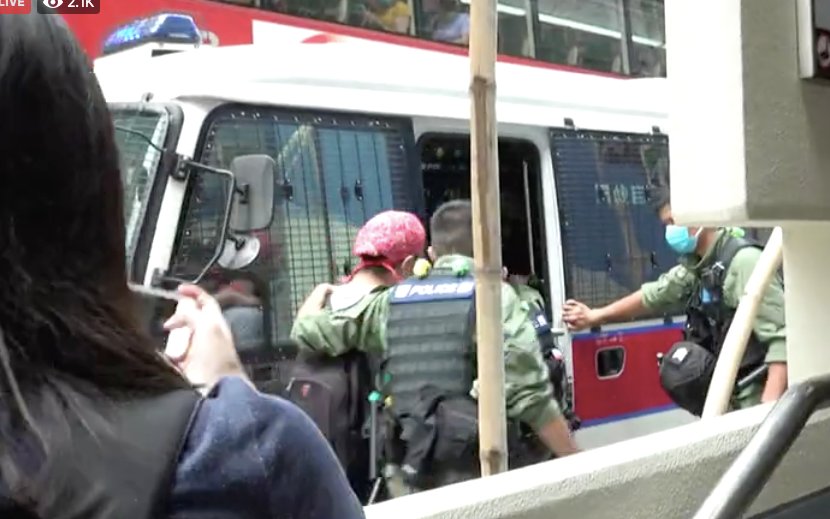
159,28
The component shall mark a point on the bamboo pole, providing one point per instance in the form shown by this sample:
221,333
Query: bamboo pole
734,346
484,180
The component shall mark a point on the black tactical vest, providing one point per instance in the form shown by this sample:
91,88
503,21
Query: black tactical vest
544,332
110,460
429,337
708,318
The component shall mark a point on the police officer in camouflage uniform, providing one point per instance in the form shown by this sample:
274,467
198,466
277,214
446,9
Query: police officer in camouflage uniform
553,356
423,328
705,291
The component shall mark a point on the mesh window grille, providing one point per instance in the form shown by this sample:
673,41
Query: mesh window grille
139,164
612,239
333,173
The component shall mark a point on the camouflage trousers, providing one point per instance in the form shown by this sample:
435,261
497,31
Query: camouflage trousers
748,397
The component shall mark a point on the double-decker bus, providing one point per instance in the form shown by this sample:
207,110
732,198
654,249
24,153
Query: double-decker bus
606,36
350,138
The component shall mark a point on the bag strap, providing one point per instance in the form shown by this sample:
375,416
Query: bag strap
712,277
181,409
159,425
359,376
729,249
731,246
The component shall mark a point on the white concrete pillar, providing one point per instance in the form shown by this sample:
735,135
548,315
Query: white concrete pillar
807,280
748,137
750,145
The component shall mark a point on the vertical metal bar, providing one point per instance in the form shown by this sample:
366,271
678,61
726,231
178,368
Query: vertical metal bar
626,45
412,9
533,6
531,29
317,150
528,215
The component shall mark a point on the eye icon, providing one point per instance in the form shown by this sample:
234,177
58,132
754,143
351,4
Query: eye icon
52,4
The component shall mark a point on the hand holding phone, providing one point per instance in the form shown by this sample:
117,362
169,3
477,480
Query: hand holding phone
200,342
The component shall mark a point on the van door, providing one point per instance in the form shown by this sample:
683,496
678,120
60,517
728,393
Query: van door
334,172
141,132
613,242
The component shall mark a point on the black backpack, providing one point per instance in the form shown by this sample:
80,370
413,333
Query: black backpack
685,373
333,392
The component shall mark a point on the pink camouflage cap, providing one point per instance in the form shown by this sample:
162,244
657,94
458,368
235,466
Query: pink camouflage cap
392,236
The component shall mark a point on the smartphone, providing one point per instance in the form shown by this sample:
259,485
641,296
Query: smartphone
178,340
177,343
169,295
156,306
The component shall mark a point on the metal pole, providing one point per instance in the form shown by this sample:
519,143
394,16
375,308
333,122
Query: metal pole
529,217
626,54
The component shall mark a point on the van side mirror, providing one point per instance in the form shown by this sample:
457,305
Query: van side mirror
253,207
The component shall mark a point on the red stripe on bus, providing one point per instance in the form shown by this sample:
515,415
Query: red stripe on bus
233,25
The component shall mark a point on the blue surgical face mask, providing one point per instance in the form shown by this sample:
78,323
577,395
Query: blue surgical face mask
680,240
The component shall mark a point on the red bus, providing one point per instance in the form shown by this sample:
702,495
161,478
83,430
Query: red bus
625,37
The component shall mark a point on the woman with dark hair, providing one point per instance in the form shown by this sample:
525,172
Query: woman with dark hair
94,422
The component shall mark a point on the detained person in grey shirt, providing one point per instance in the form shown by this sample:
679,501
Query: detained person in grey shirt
241,305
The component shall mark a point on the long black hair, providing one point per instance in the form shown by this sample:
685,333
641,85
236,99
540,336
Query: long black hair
65,309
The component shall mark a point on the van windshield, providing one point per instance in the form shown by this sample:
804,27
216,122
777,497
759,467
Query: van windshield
139,162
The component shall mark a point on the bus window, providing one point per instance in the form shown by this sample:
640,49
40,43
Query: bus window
612,240
445,165
513,23
618,36
648,37
333,173
581,34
